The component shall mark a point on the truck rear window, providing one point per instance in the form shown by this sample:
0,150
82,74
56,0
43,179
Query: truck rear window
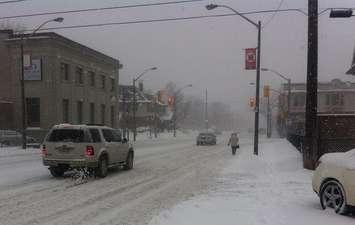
66,135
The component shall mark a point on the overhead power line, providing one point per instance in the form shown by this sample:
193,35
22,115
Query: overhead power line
165,19
273,15
98,9
11,1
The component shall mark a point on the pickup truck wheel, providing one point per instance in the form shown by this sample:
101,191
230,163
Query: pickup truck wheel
129,161
57,171
101,170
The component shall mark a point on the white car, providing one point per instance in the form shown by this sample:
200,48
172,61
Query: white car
334,181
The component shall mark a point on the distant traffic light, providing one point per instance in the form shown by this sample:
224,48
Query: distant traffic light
171,101
266,91
252,102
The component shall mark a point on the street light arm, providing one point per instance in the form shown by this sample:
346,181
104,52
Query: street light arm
44,23
240,14
144,72
279,74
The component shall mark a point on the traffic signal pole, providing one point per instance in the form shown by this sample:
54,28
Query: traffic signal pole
311,126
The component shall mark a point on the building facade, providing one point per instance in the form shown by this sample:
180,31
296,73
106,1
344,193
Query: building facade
65,82
334,97
150,110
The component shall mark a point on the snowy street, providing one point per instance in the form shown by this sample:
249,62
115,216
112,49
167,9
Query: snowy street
166,172
173,182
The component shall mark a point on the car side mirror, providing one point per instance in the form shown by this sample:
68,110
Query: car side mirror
124,140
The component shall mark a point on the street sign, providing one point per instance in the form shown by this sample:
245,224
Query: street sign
26,60
34,71
250,58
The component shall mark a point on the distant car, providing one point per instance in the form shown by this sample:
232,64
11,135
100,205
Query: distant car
85,146
334,181
218,132
206,139
14,138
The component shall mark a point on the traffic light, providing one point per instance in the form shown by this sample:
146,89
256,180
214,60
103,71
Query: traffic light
171,101
252,102
266,91
341,13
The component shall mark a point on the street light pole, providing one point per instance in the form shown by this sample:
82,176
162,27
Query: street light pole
206,111
22,83
23,99
288,91
134,110
135,100
257,92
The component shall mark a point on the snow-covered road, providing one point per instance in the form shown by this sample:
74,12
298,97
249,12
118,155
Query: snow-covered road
166,172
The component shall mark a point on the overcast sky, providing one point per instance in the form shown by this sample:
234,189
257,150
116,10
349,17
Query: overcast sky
208,53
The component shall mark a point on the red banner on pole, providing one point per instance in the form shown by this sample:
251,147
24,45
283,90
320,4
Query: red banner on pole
250,58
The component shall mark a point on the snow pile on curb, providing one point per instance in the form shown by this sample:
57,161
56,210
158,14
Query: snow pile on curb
17,151
271,189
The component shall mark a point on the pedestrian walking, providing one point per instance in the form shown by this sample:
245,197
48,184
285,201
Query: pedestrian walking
234,142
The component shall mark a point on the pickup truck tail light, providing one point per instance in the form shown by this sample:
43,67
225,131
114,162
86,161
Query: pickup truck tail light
89,151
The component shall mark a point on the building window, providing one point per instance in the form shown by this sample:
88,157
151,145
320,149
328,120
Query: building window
79,75
327,99
64,71
92,113
113,85
91,78
80,112
334,99
299,100
103,81
103,110
112,116
33,112
65,110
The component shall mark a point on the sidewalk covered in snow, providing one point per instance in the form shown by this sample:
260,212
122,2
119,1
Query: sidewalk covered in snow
272,188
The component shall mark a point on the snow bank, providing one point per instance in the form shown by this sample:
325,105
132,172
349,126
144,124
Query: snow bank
271,189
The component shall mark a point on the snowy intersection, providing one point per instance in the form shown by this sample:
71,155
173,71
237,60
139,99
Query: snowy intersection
173,182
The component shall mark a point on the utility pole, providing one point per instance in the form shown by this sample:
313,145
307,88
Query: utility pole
311,126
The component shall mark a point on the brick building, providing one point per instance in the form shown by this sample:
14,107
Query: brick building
65,82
